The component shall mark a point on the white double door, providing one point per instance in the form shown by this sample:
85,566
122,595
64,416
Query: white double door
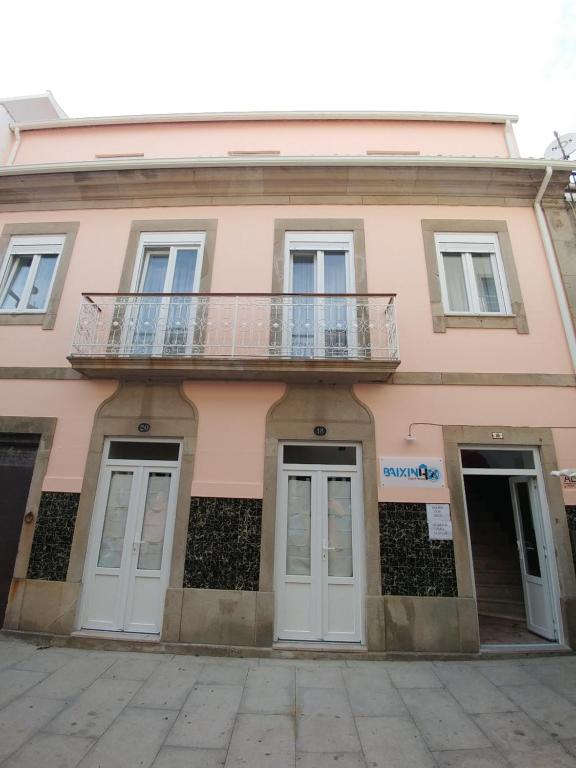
533,556
130,545
318,572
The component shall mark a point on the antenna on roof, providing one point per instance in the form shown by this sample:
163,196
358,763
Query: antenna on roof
561,149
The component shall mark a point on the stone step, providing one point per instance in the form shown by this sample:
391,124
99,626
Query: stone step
503,609
494,549
498,577
482,564
500,592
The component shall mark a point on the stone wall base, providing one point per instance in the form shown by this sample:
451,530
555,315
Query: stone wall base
36,605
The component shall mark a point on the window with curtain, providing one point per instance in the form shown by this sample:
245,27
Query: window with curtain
472,274
28,273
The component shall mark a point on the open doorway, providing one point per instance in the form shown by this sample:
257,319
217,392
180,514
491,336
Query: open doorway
508,542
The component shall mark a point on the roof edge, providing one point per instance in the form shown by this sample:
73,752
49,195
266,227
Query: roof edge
220,117
287,161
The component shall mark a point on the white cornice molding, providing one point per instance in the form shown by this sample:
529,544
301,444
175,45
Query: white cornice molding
223,117
337,161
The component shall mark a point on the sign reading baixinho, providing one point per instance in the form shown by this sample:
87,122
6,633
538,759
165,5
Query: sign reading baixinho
411,473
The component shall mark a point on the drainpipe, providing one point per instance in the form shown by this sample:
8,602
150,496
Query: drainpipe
553,267
15,146
510,139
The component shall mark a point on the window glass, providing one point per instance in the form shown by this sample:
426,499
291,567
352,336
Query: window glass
339,526
42,280
298,532
531,559
154,521
455,282
144,450
485,282
112,542
155,271
16,281
320,454
479,458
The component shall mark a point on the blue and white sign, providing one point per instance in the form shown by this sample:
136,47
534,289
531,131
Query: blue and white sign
411,473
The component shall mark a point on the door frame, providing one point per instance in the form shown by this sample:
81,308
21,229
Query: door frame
358,532
544,511
98,512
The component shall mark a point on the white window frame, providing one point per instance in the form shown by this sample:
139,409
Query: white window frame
171,240
35,246
319,242
468,244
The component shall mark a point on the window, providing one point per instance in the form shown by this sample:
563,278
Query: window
471,274
319,263
29,272
168,264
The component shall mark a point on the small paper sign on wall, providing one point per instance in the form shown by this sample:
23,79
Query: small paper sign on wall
439,522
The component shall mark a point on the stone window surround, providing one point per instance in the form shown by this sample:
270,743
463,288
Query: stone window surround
356,226
208,226
532,437
442,321
69,229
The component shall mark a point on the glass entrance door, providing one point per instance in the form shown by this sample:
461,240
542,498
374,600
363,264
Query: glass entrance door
533,555
318,553
129,557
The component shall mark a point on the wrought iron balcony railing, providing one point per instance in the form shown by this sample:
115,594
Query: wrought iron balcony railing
335,329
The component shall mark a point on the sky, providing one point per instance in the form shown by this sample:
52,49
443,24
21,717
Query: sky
124,57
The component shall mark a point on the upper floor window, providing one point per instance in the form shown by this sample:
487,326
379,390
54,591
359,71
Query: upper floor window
29,271
164,323
319,262
472,277
169,262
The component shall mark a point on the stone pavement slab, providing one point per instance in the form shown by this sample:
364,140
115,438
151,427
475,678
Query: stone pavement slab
393,742
548,708
48,750
74,677
134,739
269,690
326,733
95,709
20,720
471,758
474,692
372,693
168,686
260,741
15,682
441,720
330,760
182,757
77,708
207,718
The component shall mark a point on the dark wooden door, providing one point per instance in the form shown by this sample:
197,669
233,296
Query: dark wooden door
17,458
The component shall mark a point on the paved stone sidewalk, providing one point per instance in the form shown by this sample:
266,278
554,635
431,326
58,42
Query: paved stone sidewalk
61,708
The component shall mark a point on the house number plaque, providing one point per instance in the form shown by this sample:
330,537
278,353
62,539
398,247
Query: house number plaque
143,427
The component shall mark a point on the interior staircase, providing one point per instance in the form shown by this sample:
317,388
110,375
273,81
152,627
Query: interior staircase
497,570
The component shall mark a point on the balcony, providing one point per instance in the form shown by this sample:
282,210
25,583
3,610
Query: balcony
331,338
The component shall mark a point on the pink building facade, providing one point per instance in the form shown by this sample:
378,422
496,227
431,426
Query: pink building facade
287,381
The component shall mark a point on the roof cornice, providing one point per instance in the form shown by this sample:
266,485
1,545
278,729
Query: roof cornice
223,117
279,161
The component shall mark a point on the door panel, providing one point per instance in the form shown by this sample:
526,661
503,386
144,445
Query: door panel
17,459
319,591
533,557
133,519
